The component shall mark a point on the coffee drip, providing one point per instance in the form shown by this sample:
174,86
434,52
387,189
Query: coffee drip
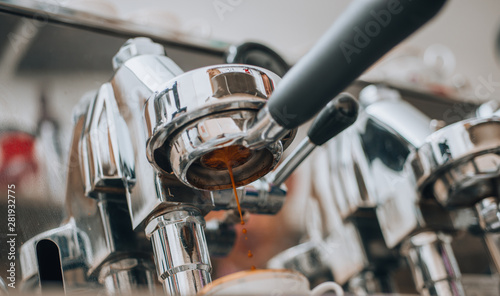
229,158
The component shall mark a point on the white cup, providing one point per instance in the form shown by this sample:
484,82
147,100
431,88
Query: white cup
274,282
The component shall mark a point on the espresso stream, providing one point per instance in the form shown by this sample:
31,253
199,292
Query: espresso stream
227,158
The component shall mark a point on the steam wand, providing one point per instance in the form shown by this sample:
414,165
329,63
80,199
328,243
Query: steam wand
337,115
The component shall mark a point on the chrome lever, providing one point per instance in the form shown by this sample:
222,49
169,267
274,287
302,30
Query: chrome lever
338,115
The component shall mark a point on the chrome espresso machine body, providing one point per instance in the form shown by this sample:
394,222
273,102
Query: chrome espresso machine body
116,198
380,216
420,186
140,173
388,131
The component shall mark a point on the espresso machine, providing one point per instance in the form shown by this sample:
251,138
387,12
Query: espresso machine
142,173
457,167
417,227
362,176
422,192
91,239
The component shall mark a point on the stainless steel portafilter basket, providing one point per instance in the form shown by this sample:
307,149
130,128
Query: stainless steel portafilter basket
205,110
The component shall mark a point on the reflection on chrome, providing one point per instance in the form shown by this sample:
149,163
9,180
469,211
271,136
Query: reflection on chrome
139,186
135,174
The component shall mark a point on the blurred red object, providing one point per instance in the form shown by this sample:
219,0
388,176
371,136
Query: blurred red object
17,157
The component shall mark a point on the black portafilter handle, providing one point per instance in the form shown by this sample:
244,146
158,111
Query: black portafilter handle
335,117
366,31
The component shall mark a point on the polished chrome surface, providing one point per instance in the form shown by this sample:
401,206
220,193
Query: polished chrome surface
391,132
375,93
112,173
333,247
112,183
88,260
434,267
336,254
187,282
139,78
488,214
368,165
128,276
108,162
402,119
459,163
180,250
201,138
459,167
74,246
349,173
305,147
265,130
259,197
88,248
374,150
285,169
369,171
98,233
136,47
97,230
204,110
340,244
